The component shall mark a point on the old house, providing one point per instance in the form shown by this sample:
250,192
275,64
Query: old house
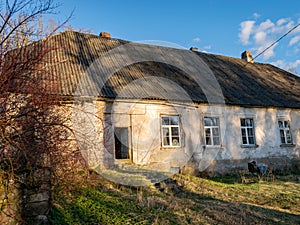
167,109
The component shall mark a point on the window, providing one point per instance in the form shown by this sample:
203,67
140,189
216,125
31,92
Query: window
284,130
247,129
211,128
170,131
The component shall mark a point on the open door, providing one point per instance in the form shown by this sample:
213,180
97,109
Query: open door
121,143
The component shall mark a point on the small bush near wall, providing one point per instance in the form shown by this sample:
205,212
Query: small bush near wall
10,200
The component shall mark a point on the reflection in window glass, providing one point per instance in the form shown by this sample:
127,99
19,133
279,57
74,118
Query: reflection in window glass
284,131
247,130
211,128
170,131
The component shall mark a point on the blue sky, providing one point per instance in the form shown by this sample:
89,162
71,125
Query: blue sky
226,27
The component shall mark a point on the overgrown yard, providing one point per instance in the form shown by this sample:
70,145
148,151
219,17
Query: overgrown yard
182,200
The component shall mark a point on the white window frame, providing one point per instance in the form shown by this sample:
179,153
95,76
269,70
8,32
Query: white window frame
287,134
246,129
211,129
171,137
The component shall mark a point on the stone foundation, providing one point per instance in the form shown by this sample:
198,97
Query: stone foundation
223,167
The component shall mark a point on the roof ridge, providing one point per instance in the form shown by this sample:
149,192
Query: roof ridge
226,57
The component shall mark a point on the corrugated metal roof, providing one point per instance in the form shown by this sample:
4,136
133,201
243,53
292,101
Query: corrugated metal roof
85,64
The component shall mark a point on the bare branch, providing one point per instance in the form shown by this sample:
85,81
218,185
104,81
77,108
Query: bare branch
28,128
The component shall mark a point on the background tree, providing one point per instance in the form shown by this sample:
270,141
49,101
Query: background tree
30,132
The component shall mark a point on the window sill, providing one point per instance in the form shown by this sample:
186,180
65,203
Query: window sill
287,145
213,146
122,161
171,148
249,146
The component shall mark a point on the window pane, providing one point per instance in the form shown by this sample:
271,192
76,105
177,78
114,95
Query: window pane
288,137
207,132
216,121
280,124
215,131
208,121
281,133
174,120
175,131
175,141
243,132
282,137
286,124
166,141
208,140
243,122
244,140
166,138
216,140
250,131
165,120
251,141
166,132
249,122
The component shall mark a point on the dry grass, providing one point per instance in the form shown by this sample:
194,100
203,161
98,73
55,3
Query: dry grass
183,200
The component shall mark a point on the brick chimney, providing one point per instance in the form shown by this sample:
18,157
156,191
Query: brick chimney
105,34
247,56
194,49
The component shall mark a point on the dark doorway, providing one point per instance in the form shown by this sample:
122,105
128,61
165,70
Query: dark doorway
121,143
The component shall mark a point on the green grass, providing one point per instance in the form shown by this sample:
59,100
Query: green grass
187,200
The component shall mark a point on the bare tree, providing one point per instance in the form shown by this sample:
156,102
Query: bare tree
30,133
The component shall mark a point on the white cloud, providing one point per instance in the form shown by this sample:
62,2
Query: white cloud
256,15
266,25
245,31
197,40
294,40
295,64
282,26
262,34
207,47
279,63
288,66
297,30
267,54
260,37
280,22
262,41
